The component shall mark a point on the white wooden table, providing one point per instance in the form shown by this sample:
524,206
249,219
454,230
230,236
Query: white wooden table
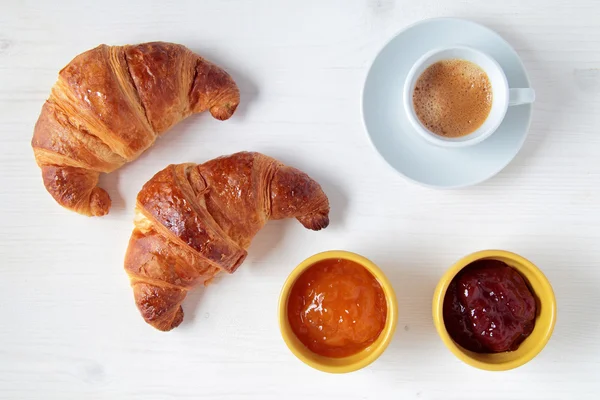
69,328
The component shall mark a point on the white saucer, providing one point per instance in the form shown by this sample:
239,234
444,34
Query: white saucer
392,134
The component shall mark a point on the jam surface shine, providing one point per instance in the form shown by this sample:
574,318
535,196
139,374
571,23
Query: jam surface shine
337,308
489,308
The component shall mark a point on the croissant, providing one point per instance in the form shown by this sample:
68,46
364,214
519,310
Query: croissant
194,221
110,104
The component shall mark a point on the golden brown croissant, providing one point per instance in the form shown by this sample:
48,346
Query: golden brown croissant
110,104
194,221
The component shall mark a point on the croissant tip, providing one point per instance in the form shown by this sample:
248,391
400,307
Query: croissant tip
224,111
99,212
324,223
165,326
315,222
99,202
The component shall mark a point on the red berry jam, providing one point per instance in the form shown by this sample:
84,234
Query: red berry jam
489,308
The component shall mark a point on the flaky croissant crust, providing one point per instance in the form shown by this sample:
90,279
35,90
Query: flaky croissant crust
194,221
110,104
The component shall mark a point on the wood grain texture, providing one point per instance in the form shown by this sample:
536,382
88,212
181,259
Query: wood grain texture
69,327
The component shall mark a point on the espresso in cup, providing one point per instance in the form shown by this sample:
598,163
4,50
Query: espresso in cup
453,98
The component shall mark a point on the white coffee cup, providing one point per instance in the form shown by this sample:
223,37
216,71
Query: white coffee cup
502,95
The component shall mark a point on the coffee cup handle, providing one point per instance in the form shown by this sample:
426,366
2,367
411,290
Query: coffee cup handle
519,96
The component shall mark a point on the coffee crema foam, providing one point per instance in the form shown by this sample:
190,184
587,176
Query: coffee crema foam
453,98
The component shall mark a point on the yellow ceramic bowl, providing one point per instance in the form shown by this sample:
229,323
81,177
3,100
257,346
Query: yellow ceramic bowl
345,364
544,322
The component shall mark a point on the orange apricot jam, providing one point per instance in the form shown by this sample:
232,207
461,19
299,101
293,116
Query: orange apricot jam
337,308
